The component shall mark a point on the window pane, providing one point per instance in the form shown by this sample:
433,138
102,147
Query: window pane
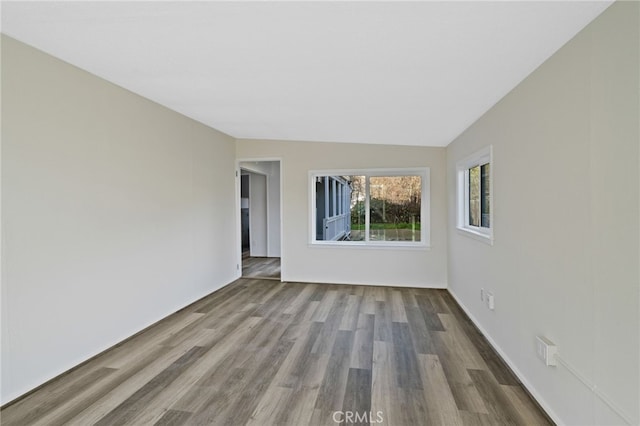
357,207
337,205
395,208
321,205
332,187
474,196
485,184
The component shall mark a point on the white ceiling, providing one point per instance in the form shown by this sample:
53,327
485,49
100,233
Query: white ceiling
408,73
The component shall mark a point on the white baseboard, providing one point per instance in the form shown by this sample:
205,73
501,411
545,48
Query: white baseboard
368,284
530,388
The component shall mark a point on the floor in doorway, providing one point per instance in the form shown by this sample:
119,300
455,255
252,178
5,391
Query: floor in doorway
261,267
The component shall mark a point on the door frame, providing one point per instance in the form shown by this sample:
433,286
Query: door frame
252,218
239,212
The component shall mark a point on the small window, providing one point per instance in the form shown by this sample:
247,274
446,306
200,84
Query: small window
370,207
475,195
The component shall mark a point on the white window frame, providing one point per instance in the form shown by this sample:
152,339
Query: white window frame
484,234
425,207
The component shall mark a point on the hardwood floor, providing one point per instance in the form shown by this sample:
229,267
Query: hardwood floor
262,352
261,267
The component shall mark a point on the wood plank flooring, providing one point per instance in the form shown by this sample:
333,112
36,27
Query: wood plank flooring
262,352
261,267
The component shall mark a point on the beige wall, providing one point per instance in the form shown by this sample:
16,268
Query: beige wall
300,262
115,213
565,259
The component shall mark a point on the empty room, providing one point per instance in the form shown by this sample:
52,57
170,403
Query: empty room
320,213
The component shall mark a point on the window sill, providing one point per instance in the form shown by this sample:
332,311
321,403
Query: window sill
479,236
369,246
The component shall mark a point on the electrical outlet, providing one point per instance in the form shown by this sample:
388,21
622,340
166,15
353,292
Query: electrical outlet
490,301
546,350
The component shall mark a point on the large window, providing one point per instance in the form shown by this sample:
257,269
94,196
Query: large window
370,207
475,195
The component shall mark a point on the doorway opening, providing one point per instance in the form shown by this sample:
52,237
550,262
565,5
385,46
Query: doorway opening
260,219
